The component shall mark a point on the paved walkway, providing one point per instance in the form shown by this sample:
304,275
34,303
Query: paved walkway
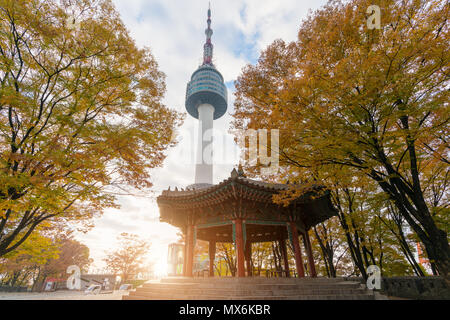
61,295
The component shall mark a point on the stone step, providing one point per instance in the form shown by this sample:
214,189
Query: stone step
251,289
256,292
366,296
228,286
249,280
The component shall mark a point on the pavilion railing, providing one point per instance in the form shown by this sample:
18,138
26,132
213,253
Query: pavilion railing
270,273
267,273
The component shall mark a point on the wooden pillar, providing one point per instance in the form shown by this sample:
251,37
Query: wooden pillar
282,243
240,248
297,251
308,248
248,257
212,254
185,255
189,250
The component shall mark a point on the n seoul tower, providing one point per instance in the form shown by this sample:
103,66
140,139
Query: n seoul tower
206,100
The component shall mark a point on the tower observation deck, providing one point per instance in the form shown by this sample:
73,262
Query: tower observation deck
206,100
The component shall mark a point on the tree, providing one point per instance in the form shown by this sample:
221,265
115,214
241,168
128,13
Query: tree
80,113
394,222
71,252
128,259
45,253
20,267
277,257
330,245
260,254
364,103
225,252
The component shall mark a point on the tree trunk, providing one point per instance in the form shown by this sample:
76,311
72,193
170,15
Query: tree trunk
355,250
409,200
327,254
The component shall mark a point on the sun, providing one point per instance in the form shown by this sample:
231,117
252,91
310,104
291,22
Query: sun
161,268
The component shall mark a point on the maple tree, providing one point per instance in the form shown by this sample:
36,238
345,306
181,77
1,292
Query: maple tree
21,266
226,252
46,253
353,103
128,258
327,241
261,252
80,114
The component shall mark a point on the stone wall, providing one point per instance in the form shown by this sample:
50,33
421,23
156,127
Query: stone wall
420,288
13,289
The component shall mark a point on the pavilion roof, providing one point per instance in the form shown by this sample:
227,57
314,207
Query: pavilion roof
235,179
252,198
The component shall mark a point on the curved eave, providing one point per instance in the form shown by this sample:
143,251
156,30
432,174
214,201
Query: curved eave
257,186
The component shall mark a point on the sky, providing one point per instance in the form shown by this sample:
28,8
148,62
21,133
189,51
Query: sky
174,31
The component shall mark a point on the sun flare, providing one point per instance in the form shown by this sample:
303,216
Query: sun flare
161,268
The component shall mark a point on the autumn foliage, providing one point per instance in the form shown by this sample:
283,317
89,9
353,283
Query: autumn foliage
80,113
363,111
128,260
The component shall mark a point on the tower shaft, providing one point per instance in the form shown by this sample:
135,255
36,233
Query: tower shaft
204,166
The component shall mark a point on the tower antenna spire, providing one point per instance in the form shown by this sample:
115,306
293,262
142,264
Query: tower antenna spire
208,46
